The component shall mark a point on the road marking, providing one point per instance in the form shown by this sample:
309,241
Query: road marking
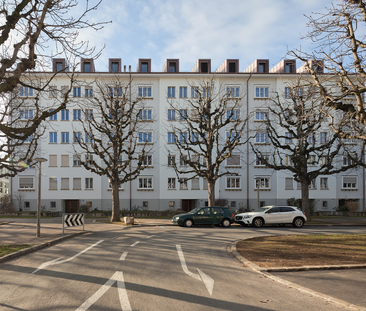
150,236
161,227
122,293
123,257
134,244
207,280
58,261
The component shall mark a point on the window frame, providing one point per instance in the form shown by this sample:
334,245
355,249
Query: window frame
233,183
261,91
145,91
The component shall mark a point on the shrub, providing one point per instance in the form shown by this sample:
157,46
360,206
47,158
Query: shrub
6,206
83,208
342,208
352,206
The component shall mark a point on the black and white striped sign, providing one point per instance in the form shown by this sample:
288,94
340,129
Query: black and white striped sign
72,220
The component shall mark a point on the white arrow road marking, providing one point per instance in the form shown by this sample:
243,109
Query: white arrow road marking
123,256
58,261
134,244
208,281
122,293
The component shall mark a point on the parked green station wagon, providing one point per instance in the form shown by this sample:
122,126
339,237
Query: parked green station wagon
214,215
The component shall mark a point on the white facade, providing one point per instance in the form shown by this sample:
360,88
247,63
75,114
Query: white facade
65,184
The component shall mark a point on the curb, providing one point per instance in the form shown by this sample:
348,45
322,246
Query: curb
38,247
231,248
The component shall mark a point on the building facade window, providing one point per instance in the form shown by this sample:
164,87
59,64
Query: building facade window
26,114
183,184
77,114
171,138
88,114
26,183
53,137
182,114
233,114
194,92
262,92
312,184
233,183
171,91
89,183
76,161
52,183
349,182
233,91
288,160
171,183
145,115
234,160
64,137
145,91
145,137
88,92
288,138
287,92
65,160
76,137
88,138
311,159
145,183
26,91
183,92
77,91
260,160
76,183
323,137
323,183
65,115
147,160
262,183
183,160
52,92
195,184
65,183
171,115
289,185
261,138
53,117
171,160
261,115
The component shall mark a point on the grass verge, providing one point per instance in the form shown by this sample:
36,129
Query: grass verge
8,249
304,250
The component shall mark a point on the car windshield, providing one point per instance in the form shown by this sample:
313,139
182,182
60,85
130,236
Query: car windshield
261,209
195,210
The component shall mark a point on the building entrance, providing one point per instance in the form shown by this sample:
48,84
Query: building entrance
188,205
71,206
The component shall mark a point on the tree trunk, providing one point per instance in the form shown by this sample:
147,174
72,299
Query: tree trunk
116,216
211,193
305,204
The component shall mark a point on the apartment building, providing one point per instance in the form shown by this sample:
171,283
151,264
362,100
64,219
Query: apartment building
66,185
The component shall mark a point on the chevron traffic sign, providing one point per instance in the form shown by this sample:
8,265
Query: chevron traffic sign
72,220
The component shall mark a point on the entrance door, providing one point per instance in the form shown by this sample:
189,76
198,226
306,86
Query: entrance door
71,206
188,205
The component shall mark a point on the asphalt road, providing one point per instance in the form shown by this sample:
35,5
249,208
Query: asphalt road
151,268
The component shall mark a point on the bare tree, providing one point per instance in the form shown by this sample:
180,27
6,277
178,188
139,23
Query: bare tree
211,130
30,29
112,144
298,138
337,63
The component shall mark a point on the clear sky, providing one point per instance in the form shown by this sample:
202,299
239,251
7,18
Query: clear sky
193,29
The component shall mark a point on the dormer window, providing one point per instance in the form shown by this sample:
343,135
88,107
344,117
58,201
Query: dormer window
144,66
172,67
232,67
115,67
87,67
289,67
204,67
261,67
59,66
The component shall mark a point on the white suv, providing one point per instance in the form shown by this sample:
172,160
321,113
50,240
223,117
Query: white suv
272,214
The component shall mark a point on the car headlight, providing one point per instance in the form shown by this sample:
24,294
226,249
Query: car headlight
247,216
176,218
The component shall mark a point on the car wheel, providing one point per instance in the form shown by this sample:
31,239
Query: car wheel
243,224
258,222
298,222
188,223
226,223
